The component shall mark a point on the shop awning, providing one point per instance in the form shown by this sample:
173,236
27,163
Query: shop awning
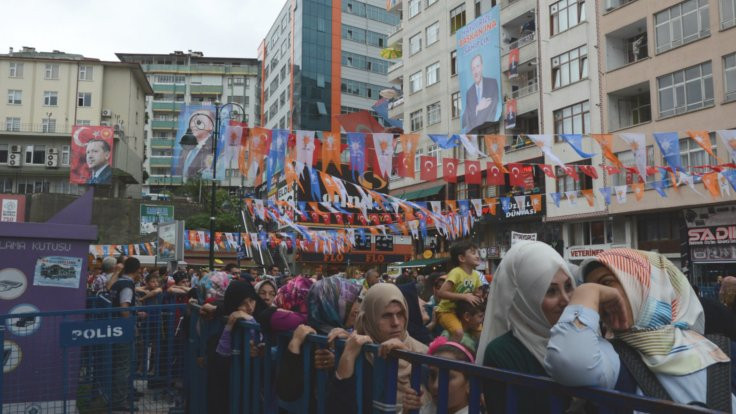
415,195
421,262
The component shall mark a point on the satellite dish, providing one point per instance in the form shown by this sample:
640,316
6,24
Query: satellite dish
389,93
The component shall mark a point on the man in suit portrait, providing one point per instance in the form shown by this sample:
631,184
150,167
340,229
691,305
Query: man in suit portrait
98,161
194,160
481,99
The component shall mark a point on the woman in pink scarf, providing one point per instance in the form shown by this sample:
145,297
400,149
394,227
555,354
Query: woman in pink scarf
291,307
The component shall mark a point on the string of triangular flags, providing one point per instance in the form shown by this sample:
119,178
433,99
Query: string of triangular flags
266,151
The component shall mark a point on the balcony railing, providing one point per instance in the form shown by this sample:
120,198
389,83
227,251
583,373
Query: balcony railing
527,90
525,40
39,128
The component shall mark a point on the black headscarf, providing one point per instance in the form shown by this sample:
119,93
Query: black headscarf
415,325
236,292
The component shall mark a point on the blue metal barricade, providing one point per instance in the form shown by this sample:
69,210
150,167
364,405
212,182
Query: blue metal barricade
94,360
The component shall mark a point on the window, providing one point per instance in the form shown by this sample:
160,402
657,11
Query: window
453,63
282,98
729,76
685,90
415,44
418,159
16,70
627,159
85,72
654,229
12,124
636,48
416,120
593,232
477,8
414,7
361,62
169,79
48,125
36,154
433,73
15,97
415,82
457,105
3,155
461,190
681,24
570,67
457,18
565,14
50,98
574,119
431,2
634,110
433,33
235,99
433,114
728,13
51,71
65,151
83,122
693,155
363,89
84,99
566,183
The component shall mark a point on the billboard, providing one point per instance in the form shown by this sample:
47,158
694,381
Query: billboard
170,245
479,67
92,150
152,214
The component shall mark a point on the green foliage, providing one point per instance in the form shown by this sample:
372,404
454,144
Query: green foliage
227,214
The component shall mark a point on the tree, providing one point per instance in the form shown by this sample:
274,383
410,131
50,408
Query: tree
227,207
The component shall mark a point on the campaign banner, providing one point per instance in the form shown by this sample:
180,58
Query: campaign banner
170,245
151,214
510,114
517,237
514,63
479,67
91,155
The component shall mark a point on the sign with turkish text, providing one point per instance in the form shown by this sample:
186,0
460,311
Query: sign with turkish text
517,237
585,252
96,332
13,208
152,214
516,210
712,244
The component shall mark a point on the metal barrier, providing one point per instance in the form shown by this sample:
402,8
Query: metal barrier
94,360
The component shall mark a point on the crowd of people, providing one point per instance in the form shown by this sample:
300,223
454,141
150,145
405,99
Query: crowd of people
627,320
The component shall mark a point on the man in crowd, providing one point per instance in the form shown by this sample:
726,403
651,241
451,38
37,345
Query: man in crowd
108,266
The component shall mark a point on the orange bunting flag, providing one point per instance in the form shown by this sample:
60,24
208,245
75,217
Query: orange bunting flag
638,190
452,204
409,146
331,149
331,187
588,194
404,229
702,138
495,145
710,181
606,143
491,202
537,201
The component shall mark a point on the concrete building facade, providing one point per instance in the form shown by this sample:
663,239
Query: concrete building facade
47,93
183,78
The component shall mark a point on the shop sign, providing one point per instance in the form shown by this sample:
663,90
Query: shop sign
585,252
712,244
517,211
517,237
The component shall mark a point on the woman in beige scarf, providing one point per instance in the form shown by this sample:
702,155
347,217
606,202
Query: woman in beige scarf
382,319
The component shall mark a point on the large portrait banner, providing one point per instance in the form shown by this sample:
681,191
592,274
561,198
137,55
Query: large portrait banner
91,158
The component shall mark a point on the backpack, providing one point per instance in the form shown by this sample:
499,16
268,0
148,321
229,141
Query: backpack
719,375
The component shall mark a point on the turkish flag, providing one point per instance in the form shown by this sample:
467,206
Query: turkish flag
652,170
374,219
315,217
589,170
570,170
495,175
402,167
472,172
326,218
338,218
351,219
449,169
610,169
548,170
428,168
520,176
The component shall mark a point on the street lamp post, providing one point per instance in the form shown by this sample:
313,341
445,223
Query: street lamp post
189,140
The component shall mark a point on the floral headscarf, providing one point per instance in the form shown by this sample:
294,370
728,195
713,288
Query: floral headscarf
213,285
330,302
293,295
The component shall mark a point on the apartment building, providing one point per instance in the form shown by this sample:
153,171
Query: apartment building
321,58
183,78
427,75
47,93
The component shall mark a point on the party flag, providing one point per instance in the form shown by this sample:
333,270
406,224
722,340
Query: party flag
331,149
520,202
606,192
684,178
572,197
728,136
449,169
730,175
669,144
576,142
472,172
710,181
258,148
356,147
495,145
536,202
452,205
383,145
505,204
638,190
494,174
409,145
428,165
589,197
477,206
544,142
658,186
444,141
555,198
589,170
702,138
606,143
316,192
491,202
305,145
637,143
471,148
621,192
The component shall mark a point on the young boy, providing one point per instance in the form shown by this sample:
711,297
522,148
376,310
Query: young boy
461,285
471,318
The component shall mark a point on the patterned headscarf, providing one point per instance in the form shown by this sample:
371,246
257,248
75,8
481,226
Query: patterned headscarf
213,285
293,295
330,302
668,317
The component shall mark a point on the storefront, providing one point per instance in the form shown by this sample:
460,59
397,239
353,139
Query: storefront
711,240
586,239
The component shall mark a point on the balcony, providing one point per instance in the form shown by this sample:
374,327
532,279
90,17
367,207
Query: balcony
251,70
167,106
525,91
627,45
206,90
528,102
159,124
169,87
520,43
512,9
395,34
160,161
163,180
629,107
59,129
162,143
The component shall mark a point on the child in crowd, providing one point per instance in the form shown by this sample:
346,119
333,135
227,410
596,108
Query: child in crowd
462,285
149,293
471,318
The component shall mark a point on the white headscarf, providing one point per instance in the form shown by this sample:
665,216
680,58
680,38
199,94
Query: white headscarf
515,300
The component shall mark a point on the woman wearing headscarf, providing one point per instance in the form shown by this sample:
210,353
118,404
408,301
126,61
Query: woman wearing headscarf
333,306
382,319
530,288
267,290
290,306
657,322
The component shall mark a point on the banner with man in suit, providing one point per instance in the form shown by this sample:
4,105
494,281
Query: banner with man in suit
91,155
479,64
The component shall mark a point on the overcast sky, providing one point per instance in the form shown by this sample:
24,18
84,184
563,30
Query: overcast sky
101,28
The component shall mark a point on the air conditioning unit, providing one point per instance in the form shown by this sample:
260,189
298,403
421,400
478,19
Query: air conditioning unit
14,159
52,151
52,160
117,128
16,149
106,113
